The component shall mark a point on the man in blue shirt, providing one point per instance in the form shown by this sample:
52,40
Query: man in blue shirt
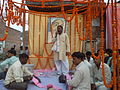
8,62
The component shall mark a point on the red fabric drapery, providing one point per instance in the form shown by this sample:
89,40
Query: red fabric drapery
109,26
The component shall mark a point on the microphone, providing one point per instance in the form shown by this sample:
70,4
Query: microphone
56,34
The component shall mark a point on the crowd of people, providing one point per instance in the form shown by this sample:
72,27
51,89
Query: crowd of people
86,76
88,72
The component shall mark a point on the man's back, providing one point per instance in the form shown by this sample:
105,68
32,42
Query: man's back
81,78
85,72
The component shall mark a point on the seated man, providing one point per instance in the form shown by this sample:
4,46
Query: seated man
14,77
97,75
11,54
89,66
89,57
81,77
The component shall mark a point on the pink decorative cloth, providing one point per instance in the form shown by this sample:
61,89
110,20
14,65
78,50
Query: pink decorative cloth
39,73
37,83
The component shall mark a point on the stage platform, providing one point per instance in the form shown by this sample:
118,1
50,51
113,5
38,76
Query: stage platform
47,77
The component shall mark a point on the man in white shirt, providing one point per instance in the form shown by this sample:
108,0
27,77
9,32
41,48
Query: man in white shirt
81,77
15,76
98,77
86,61
89,57
61,50
27,51
89,66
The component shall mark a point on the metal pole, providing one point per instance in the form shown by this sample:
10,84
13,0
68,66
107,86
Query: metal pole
24,34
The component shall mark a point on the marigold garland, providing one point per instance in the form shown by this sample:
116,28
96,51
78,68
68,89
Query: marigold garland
15,16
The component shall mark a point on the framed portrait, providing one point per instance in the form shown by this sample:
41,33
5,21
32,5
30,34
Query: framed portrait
53,22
